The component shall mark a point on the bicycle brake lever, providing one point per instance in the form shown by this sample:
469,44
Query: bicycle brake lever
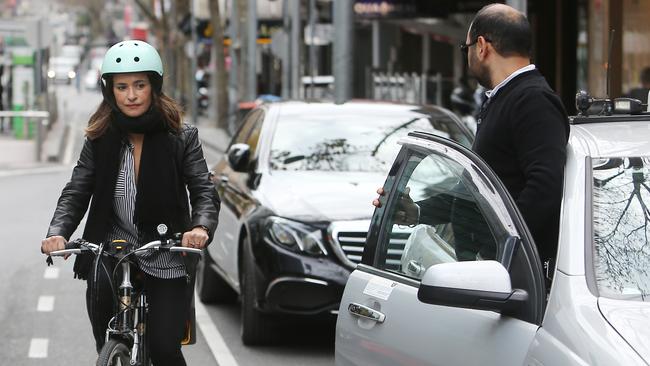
165,245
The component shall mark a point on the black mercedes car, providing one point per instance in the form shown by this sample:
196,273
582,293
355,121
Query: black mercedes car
296,185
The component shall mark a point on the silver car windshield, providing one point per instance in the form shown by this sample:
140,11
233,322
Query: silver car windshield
359,142
621,202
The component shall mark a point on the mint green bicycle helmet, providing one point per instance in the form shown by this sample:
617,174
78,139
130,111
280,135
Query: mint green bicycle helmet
131,56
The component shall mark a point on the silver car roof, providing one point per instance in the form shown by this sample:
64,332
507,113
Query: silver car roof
612,139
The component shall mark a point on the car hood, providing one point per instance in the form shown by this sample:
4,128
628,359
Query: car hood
320,196
631,319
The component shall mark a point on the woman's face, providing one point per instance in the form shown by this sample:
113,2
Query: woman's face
132,93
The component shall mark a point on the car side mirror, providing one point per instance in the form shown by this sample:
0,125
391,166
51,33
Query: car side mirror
482,285
238,156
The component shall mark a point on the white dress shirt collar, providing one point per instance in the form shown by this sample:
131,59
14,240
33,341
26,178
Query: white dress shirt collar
491,93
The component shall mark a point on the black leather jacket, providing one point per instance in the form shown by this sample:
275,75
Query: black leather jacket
76,194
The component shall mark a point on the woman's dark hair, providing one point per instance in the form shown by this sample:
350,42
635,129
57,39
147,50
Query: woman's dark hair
170,111
509,32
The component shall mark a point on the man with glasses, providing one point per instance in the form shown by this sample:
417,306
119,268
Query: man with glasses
522,126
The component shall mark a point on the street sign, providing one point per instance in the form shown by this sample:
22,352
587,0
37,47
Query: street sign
323,34
201,9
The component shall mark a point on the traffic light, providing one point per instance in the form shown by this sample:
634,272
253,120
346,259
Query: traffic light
204,29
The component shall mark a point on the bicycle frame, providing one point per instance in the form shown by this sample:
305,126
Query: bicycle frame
128,326
130,319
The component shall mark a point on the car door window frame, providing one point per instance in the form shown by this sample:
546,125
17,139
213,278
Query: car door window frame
497,224
527,257
478,180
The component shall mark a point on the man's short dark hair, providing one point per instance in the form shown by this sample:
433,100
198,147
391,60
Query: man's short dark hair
509,33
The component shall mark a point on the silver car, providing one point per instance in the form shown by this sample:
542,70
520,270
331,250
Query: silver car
429,308
62,69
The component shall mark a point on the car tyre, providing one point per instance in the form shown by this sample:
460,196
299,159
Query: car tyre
256,327
210,287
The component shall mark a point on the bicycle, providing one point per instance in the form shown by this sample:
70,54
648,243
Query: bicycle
126,342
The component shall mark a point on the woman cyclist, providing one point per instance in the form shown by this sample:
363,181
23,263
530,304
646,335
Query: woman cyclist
137,164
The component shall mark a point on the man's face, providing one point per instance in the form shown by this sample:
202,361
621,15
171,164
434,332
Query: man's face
476,68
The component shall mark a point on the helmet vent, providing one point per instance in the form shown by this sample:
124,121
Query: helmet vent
118,60
122,44
136,59
135,44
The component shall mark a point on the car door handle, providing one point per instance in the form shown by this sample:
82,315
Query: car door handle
366,312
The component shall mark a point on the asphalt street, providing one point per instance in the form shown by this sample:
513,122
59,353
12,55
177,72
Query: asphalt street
43,312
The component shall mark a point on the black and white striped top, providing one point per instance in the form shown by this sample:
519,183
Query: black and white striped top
158,264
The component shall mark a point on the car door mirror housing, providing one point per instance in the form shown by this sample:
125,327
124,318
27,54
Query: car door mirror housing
239,157
482,285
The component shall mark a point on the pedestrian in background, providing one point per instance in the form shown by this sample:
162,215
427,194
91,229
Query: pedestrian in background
77,78
136,164
641,93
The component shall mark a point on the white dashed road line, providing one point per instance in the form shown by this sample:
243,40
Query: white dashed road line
38,348
51,273
45,303
212,336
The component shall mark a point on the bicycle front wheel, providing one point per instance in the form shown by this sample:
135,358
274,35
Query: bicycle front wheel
114,353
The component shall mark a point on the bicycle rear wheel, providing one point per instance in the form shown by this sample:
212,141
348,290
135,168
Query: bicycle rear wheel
114,353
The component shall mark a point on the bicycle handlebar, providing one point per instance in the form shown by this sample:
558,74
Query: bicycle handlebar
79,246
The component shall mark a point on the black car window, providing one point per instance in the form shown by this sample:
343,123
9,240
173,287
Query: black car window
247,125
253,137
341,139
437,215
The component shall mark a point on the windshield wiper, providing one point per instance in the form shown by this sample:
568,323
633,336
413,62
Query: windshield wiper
293,159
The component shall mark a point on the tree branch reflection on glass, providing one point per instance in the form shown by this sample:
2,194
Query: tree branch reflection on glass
620,206
328,155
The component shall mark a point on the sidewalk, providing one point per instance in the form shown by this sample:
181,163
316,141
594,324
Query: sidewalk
16,153
212,137
21,153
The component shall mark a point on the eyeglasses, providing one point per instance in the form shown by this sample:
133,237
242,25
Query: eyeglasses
464,48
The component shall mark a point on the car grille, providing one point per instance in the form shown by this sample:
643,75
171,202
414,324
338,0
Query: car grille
351,243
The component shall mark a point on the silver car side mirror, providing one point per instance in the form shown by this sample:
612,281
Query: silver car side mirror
483,285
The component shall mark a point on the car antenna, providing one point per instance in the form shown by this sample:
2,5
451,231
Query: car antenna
584,101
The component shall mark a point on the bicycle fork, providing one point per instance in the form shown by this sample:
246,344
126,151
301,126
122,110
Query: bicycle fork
139,330
131,318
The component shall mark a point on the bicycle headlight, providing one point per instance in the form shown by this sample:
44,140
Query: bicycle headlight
297,236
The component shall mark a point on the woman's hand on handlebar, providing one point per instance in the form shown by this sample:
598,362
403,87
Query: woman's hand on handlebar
56,242
195,238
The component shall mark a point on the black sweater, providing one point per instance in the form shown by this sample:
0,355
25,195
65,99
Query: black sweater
522,135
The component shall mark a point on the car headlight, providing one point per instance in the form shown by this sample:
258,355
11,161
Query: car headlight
296,236
71,74
51,74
